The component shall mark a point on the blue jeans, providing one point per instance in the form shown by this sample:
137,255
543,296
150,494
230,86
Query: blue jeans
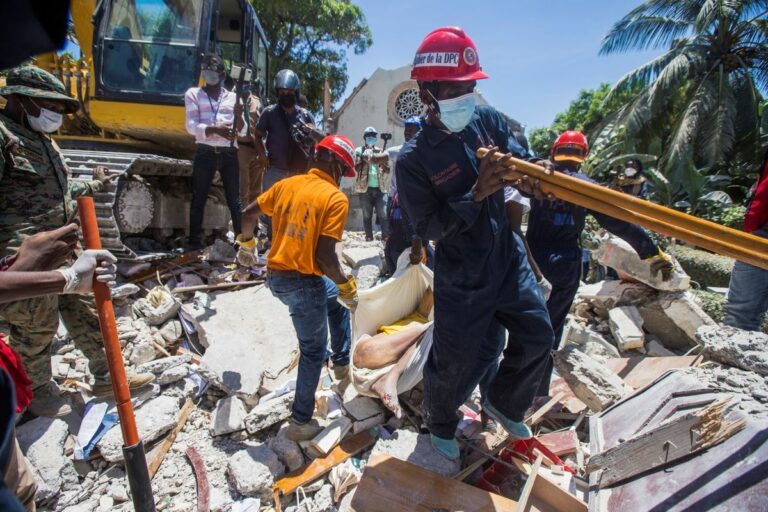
272,176
372,199
309,301
747,299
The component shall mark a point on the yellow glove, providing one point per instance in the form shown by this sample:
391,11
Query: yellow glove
246,254
348,293
661,263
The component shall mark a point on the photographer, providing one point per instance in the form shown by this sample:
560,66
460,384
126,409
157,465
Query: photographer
372,181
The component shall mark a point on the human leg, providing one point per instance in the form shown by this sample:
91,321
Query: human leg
379,202
386,385
271,176
82,322
338,325
306,301
19,477
747,298
385,349
246,159
31,326
366,203
230,177
203,170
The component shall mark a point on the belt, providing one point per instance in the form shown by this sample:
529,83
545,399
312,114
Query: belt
287,273
216,149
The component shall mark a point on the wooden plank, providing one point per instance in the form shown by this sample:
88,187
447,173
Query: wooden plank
203,489
214,287
523,502
640,371
320,466
547,496
157,454
151,272
389,484
534,418
665,443
560,443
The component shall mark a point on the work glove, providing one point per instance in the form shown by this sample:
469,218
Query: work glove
661,263
79,277
246,254
545,287
348,293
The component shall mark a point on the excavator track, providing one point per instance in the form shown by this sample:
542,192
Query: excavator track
108,209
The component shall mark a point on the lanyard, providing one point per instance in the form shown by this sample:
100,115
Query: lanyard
218,104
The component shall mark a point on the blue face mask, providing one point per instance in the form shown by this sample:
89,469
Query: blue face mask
370,141
455,113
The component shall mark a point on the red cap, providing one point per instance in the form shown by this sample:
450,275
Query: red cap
571,145
342,147
447,54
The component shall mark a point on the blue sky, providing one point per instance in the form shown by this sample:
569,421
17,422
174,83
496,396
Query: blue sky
539,54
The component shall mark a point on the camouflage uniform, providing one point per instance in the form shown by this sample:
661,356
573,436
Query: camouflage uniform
36,195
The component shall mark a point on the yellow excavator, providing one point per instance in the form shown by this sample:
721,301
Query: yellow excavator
138,59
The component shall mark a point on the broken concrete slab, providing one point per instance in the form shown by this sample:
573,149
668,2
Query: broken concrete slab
253,470
171,331
747,350
356,257
142,352
287,451
153,419
42,441
160,313
124,291
266,414
627,327
362,407
228,417
592,382
416,449
674,318
172,375
158,366
263,343
366,276
618,254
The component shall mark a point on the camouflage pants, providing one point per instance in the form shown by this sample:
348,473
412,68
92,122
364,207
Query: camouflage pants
31,325
251,174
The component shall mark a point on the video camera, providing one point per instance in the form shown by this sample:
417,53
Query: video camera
386,137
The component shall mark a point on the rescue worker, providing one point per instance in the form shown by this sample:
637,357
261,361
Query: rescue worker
372,182
36,195
401,234
630,179
554,232
252,167
308,213
483,282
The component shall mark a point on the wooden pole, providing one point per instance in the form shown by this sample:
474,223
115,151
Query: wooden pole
629,202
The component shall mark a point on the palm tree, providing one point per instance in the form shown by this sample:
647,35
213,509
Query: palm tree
702,95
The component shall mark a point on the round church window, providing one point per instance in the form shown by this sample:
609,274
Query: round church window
408,104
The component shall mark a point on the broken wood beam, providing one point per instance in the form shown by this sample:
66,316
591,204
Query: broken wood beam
664,444
203,488
158,453
151,272
592,382
534,418
525,495
213,287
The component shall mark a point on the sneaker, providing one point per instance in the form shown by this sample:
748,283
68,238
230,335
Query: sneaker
103,387
302,431
516,429
448,448
340,372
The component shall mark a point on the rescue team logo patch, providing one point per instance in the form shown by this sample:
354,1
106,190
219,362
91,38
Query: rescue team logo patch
470,57
440,59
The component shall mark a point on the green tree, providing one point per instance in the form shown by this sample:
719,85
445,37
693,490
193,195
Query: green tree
312,38
700,98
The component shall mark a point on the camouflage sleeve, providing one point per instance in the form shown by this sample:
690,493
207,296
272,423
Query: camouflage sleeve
84,188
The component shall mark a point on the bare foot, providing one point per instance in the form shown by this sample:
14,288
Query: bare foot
386,388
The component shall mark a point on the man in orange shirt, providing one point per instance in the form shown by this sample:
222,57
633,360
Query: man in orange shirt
308,215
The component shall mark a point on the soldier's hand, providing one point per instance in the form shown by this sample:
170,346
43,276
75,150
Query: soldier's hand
46,250
491,175
102,174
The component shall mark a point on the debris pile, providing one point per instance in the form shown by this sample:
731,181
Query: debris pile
647,385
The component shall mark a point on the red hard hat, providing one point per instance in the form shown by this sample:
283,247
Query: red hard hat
571,145
447,54
342,147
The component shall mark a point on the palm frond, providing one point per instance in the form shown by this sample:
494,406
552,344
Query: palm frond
718,132
643,33
646,73
680,143
673,75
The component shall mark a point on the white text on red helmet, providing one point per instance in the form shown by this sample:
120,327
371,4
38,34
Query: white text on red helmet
439,59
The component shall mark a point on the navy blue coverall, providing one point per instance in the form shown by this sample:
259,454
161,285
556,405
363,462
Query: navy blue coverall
554,233
401,235
483,282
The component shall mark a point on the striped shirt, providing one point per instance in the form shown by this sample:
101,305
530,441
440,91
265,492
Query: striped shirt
204,111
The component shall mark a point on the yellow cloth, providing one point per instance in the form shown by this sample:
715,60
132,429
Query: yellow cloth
303,208
401,324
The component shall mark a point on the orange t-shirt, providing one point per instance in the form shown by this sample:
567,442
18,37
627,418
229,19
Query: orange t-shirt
303,208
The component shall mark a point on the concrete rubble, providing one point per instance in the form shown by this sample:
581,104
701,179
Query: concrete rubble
233,354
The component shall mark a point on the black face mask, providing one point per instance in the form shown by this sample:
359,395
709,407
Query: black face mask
287,100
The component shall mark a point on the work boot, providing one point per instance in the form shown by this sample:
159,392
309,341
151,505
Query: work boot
340,372
103,387
48,405
516,429
448,448
302,431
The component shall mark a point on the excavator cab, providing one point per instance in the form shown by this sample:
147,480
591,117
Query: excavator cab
150,50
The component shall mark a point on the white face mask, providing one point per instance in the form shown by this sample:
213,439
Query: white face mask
456,113
211,77
47,121
630,172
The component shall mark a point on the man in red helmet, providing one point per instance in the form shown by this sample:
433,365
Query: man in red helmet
554,234
483,282
303,270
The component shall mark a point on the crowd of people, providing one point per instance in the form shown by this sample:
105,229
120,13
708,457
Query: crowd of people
499,298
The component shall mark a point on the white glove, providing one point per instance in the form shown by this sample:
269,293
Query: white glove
79,277
545,287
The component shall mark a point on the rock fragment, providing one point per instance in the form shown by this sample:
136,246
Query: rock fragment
253,471
228,417
747,350
593,383
266,414
42,441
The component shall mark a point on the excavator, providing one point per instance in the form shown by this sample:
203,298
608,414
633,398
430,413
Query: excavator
138,59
